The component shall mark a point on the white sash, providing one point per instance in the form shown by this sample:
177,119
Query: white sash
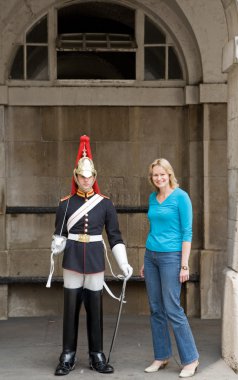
84,209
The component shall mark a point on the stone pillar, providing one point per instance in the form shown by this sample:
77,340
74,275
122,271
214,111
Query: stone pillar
230,303
213,256
3,252
195,189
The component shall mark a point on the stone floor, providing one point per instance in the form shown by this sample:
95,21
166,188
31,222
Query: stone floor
29,350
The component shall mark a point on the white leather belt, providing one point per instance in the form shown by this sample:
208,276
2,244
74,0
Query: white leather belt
84,238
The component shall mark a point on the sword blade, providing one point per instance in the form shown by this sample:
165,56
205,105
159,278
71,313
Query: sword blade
118,318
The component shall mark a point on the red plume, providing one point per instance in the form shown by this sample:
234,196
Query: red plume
84,150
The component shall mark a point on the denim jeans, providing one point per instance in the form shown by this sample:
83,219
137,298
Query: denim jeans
161,270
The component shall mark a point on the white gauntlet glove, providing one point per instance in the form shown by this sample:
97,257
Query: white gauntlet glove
119,252
58,244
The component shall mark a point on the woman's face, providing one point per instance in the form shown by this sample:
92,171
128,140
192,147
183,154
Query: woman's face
85,183
160,177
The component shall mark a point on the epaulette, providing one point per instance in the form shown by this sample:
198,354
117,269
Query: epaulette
104,196
65,198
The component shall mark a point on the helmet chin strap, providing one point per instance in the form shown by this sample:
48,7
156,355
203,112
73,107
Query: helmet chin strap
80,188
85,190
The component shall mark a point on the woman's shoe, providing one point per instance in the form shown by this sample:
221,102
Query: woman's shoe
189,372
156,367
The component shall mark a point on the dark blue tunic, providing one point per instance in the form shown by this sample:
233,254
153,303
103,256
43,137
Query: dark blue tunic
87,257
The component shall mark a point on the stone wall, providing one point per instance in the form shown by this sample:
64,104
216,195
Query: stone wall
41,146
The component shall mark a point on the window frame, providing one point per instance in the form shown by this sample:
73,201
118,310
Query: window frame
139,80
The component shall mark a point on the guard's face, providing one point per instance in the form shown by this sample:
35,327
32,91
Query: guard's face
85,183
160,177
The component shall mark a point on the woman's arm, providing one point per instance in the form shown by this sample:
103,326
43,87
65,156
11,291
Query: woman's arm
186,218
184,273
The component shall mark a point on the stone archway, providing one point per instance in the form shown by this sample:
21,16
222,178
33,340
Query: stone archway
172,14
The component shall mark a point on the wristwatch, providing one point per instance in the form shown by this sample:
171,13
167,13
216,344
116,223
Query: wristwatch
184,267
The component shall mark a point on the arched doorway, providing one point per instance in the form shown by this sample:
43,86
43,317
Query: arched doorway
126,87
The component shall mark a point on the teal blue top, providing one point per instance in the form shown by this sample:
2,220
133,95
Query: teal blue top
170,222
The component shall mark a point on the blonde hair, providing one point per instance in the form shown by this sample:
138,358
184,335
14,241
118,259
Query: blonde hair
169,170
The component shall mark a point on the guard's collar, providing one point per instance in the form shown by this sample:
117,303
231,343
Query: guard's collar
82,194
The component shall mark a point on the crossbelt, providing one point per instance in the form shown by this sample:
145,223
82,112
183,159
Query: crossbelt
84,238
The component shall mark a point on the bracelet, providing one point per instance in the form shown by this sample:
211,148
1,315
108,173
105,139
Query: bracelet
184,267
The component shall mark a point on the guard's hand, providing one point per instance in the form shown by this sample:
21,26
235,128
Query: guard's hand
58,244
127,270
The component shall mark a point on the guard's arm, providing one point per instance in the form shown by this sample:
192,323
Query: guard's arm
119,253
58,244
115,240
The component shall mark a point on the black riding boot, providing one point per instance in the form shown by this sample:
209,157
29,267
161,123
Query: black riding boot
72,303
93,306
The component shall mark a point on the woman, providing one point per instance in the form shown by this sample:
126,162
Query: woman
165,268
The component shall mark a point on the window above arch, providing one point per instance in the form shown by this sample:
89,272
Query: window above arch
31,58
97,40
161,60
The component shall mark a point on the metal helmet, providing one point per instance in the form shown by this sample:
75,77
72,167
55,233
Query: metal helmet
84,165
85,168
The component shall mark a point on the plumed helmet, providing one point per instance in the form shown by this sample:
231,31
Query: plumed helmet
85,168
84,165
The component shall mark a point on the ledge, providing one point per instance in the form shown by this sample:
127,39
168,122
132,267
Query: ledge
230,55
52,210
213,93
40,280
95,96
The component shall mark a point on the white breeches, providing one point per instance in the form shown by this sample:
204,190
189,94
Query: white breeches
74,280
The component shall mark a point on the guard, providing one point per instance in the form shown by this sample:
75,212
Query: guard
80,220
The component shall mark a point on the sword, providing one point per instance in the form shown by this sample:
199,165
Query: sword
122,300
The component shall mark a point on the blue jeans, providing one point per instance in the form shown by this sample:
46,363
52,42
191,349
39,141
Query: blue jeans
161,270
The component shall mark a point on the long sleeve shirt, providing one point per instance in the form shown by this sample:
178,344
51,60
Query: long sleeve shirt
170,222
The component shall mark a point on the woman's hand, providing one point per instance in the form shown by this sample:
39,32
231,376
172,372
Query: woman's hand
184,272
184,275
142,271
